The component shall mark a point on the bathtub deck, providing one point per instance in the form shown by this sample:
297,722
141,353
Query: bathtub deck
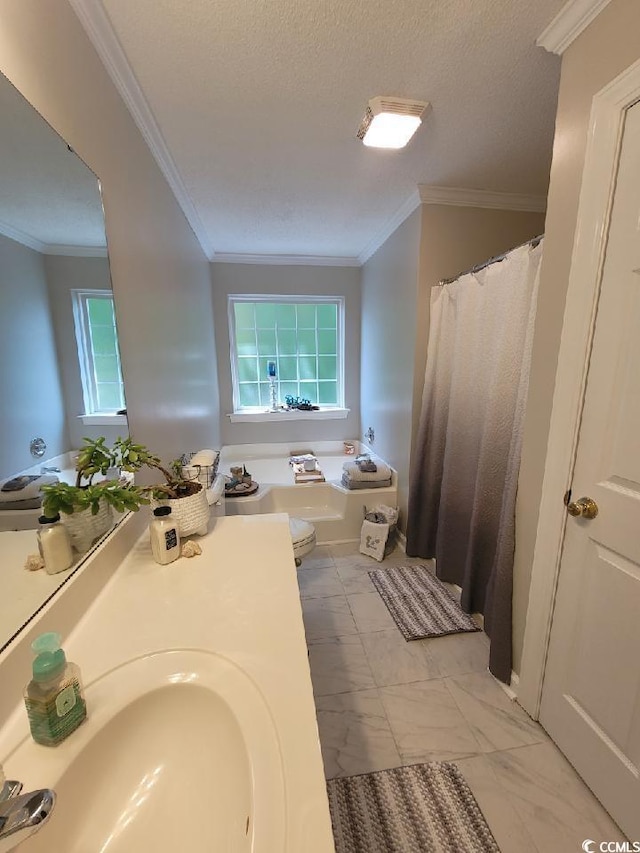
27,519
276,470
335,512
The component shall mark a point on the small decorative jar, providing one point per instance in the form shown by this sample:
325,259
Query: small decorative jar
164,535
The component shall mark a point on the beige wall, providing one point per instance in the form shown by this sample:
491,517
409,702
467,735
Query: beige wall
160,274
289,280
389,293
31,400
63,275
436,241
605,49
454,239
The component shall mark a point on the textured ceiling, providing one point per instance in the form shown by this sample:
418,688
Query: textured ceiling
259,103
49,197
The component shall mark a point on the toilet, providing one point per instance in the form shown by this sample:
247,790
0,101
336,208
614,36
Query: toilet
303,537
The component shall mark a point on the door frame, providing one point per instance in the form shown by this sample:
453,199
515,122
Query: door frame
592,228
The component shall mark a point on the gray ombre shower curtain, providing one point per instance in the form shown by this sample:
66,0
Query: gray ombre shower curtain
464,473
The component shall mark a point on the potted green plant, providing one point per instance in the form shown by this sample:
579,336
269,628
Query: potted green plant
187,498
132,457
86,508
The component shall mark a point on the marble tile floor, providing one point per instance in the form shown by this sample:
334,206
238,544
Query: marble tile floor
382,702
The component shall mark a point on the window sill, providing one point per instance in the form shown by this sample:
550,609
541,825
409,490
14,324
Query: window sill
296,415
104,420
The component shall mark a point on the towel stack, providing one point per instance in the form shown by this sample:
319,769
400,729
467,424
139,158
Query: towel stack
23,491
204,457
365,473
306,469
301,458
203,467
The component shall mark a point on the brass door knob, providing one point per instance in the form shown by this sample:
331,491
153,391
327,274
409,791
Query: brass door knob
583,508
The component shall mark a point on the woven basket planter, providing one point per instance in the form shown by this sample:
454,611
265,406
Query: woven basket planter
85,529
191,513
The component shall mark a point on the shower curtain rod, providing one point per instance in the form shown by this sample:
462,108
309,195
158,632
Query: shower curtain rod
533,243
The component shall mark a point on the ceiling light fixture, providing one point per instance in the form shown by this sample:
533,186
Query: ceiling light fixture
391,122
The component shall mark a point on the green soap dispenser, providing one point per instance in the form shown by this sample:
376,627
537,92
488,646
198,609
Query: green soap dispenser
54,697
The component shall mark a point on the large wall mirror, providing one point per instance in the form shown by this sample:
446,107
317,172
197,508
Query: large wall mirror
52,251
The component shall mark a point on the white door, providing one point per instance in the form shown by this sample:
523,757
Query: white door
591,692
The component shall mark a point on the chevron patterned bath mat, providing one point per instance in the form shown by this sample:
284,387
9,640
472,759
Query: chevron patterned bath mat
423,808
420,604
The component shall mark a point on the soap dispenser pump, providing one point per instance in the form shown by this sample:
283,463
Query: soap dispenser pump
54,698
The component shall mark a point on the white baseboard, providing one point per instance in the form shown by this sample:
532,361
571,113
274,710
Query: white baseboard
511,689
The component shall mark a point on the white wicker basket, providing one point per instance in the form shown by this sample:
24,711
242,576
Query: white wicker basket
204,474
85,528
191,512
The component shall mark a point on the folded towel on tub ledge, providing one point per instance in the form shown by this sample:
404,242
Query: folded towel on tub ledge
348,483
355,473
24,487
204,457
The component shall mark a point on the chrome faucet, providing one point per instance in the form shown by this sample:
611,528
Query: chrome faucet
49,469
22,814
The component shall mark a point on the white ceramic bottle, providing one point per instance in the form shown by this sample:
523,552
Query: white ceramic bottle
54,544
165,538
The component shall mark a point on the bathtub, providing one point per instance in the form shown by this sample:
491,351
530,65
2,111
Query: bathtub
27,519
335,512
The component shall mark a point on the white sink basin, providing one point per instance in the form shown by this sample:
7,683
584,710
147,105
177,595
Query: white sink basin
179,752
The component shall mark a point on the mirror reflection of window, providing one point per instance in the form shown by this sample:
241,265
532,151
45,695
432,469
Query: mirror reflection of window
98,352
52,241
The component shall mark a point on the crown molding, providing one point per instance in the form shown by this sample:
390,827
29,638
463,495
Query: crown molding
20,237
96,24
285,260
457,196
403,212
50,248
76,251
574,17
461,197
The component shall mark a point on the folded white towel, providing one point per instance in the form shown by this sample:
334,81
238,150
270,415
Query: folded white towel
301,458
383,471
24,487
33,503
203,457
348,483
216,491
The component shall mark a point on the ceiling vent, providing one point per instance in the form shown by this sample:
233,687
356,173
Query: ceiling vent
391,122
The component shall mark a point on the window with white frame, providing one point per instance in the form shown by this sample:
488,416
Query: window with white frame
303,336
98,353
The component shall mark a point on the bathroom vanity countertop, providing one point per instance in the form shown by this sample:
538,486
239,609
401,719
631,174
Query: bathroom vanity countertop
240,601
23,592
